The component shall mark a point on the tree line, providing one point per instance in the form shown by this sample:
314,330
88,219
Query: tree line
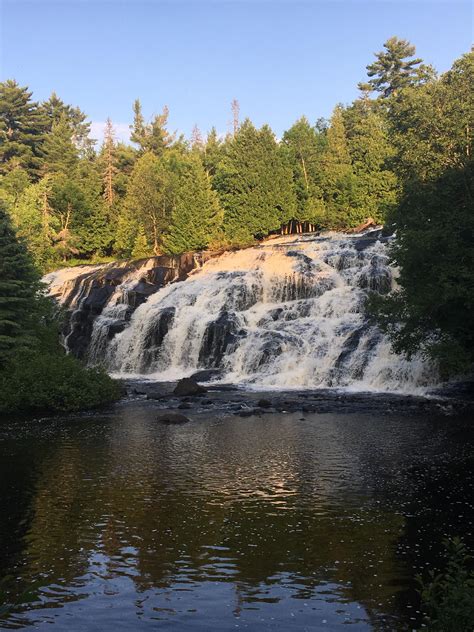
164,193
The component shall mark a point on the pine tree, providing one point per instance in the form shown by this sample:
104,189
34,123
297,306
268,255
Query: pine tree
19,284
254,184
22,128
141,247
54,108
394,70
60,155
196,218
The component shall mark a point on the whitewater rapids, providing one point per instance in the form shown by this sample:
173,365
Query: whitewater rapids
289,313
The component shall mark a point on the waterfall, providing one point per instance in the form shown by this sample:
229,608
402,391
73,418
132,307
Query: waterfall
289,313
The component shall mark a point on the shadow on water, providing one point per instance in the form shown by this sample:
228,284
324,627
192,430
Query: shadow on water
284,522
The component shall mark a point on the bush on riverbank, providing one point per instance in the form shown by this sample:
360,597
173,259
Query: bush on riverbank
448,597
53,382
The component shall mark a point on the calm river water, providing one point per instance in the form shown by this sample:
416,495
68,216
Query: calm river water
286,522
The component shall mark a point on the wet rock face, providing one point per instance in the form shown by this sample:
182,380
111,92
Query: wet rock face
93,292
219,335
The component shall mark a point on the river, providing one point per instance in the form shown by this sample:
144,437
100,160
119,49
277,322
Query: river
280,521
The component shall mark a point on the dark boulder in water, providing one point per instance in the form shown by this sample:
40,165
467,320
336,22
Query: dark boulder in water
264,403
172,418
187,386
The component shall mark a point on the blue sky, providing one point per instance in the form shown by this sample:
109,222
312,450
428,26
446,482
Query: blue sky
279,58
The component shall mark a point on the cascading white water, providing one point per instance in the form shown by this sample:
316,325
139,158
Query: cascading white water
285,314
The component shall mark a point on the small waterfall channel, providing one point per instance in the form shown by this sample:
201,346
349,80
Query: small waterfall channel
288,313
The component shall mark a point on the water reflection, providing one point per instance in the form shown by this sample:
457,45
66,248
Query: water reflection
258,523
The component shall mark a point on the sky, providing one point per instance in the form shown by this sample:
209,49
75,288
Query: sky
279,58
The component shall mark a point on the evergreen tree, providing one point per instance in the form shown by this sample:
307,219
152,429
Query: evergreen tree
128,233
213,151
255,185
371,155
60,155
339,183
154,136
196,217
54,109
394,70
19,283
304,145
22,128
149,197
137,135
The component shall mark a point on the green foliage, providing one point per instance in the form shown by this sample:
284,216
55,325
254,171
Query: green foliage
303,147
150,137
35,222
393,69
196,217
22,128
448,597
55,109
50,381
371,154
432,124
35,373
19,283
339,183
433,309
60,155
254,184
149,198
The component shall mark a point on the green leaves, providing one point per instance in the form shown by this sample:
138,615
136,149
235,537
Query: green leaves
254,184
448,597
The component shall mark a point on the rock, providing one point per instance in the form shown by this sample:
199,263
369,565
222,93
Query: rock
206,375
184,406
264,403
246,413
172,418
188,386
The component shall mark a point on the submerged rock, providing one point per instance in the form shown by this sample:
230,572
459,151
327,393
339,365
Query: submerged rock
187,386
172,418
